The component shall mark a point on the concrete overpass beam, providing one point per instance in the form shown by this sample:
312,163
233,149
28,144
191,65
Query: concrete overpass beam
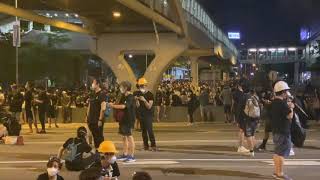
195,71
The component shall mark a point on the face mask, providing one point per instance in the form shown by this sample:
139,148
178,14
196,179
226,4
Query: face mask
142,90
52,171
122,90
112,160
93,86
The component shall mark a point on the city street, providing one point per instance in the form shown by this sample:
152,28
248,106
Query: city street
205,151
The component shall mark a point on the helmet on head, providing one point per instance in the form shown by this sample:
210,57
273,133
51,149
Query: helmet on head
280,86
142,81
107,147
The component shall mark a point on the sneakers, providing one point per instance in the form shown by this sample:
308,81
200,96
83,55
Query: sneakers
242,149
283,177
291,152
130,159
122,157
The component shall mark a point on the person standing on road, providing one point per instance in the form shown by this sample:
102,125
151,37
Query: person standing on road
281,117
42,102
226,96
145,109
126,107
95,114
28,97
52,108
192,106
204,104
66,107
159,102
15,102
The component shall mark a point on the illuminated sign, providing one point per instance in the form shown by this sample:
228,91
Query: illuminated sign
234,35
304,34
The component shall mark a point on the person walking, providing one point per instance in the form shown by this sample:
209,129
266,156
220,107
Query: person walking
281,117
29,98
95,114
145,109
125,114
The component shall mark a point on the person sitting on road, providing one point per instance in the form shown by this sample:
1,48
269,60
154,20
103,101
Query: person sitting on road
107,162
141,176
93,173
77,151
54,165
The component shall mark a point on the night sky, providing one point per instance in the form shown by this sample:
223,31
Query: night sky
264,22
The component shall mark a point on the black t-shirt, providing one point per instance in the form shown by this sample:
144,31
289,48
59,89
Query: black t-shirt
142,109
15,102
28,97
45,176
279,111
45,101
158,98
81,148
105,172
130,110
95,106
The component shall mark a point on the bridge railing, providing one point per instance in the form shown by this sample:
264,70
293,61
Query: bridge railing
197,16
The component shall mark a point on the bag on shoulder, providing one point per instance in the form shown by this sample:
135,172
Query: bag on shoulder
298,133
252,108
71,151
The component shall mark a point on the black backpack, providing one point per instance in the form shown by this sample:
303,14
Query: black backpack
298,133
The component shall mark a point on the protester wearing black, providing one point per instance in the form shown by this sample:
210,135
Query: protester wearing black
42,102
281,117
81,160
15,99
29,97
95,114
192,106
145,108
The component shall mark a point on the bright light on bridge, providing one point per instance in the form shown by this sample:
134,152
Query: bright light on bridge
116,14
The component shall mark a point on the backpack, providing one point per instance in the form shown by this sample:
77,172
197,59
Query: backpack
298,133
252,109
71,151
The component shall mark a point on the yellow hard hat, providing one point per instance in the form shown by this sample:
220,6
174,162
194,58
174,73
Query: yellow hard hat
142,81
107,147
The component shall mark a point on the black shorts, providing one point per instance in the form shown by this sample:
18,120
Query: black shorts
227,108
125,129
267,126
282,144
51,112
251,126
242,125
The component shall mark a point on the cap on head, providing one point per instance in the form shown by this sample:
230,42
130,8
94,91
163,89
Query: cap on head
107,147
281,86
142,81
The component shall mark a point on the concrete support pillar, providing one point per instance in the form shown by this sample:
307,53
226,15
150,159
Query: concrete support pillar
112,47
47,28
296,73
30,25
195,71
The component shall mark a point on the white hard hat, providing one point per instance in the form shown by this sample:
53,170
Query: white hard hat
280,86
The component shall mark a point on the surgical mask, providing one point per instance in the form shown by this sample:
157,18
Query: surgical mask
142,90
93,87
52,171
112,160
122,90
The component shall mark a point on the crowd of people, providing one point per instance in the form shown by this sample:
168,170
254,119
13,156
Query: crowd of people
243,104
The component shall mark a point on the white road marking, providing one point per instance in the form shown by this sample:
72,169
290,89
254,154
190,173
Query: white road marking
151,162
297,163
